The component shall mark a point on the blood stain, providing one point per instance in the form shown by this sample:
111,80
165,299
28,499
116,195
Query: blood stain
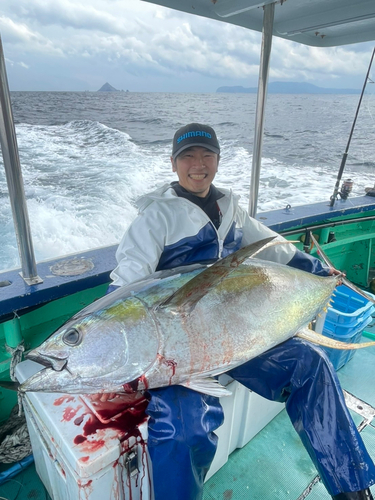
63,399
70,413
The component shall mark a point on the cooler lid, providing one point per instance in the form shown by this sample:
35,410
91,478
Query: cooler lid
87,436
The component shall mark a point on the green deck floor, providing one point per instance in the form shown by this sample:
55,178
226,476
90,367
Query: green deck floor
273,466
25,486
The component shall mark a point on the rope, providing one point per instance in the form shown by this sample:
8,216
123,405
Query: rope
14,445
14,437
16,353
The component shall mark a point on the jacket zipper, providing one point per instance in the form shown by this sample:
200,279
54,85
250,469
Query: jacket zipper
220,242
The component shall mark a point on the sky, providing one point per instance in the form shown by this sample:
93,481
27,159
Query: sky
78,45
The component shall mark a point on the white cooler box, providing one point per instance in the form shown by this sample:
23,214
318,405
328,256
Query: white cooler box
79,452
82,451
245,414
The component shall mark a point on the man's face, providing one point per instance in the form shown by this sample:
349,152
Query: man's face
196,168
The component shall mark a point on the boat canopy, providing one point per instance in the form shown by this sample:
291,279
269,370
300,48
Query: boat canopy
319,23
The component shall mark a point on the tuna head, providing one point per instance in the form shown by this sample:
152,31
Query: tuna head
100,349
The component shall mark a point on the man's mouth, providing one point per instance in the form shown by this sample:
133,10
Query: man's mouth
197,177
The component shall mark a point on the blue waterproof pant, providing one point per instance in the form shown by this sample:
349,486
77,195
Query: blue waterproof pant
182,443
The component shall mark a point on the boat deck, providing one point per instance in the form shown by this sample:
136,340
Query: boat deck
274,464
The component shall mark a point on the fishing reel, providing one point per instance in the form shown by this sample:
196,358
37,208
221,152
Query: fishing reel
346,188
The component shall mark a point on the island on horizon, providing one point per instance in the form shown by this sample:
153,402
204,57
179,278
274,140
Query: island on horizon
289,88
108,88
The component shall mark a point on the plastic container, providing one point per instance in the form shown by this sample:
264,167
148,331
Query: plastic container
80,451
348,309
345,321
245,414
257,412
338,357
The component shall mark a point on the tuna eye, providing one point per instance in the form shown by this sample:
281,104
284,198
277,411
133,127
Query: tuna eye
72,337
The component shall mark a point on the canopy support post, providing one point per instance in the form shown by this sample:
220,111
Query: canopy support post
265,56
13,173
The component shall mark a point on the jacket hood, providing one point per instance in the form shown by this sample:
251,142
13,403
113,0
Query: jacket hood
166,192
163,192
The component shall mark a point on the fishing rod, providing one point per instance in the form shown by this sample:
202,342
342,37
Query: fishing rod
347,188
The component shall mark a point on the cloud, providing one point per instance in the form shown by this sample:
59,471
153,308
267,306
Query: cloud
294,61
132,39
19,63
92,16
21,35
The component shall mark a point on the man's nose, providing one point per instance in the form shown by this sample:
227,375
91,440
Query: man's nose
199,161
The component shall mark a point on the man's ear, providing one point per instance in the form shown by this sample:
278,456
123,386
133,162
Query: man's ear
218,159
174,169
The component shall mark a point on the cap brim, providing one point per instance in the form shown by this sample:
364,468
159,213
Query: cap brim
201,144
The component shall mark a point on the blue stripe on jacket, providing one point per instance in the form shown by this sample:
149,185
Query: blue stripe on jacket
201,247
204,247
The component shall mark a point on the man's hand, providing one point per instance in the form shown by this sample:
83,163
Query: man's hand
333,271
336,272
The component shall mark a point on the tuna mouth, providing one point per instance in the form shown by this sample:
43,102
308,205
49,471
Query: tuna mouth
56,363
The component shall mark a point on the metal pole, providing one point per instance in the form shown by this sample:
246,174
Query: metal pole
268,16
13,173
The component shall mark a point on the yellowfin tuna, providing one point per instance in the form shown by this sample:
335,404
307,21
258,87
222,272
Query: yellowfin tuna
183,326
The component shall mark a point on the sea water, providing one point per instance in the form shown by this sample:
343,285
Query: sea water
87,156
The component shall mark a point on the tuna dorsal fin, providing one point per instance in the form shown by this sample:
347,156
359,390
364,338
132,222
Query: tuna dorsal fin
345,281
184,300
319,339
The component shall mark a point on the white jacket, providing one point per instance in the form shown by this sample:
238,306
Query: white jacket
171,231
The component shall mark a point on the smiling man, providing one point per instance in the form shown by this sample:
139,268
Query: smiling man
188,221
195,158
171,231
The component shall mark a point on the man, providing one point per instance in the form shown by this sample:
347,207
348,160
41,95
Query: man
193,221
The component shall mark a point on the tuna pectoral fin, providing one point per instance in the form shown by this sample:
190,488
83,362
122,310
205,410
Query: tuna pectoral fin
208,386
319,339
184,300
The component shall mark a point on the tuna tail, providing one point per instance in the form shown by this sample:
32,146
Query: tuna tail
319,339
345,281
185,299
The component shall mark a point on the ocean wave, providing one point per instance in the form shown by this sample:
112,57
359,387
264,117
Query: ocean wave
228,124
86,158
147,121
276,136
